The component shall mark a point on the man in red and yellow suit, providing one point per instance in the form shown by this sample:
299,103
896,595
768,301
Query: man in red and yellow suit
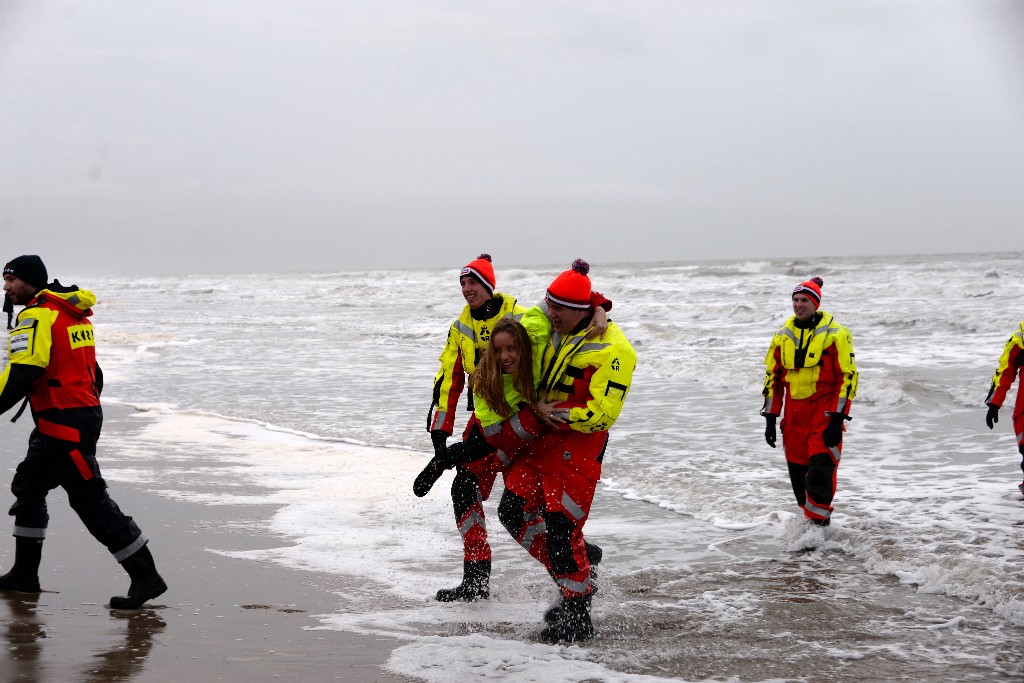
1011,365
53,366
467,338
550,487
811,380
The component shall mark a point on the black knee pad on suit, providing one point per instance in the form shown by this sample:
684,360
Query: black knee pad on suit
465,491
559,543
819,478
510,513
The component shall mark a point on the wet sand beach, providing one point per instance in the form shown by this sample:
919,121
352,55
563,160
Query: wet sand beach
223,619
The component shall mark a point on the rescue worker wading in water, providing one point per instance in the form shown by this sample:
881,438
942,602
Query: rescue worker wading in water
1011,365
811,380
550,486
53,366
468,336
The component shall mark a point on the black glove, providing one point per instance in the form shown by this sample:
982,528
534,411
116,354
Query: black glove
769,429
442,460
439,438
993,415
833,434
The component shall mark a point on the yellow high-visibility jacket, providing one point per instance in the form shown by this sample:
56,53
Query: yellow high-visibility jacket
53,353
467,338
809,362
590,378
1011,364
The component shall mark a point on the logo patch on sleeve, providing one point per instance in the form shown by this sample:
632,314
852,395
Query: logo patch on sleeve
81,335
18,343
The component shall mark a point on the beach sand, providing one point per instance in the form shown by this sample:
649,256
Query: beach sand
223,619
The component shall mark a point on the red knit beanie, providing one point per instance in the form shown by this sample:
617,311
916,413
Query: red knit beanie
482,270
812,288
572,287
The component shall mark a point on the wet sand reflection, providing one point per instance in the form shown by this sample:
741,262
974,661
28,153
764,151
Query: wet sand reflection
120,642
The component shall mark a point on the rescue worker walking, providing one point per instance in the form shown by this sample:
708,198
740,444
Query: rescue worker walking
467,338
1011,365
550,487
811,380
53,368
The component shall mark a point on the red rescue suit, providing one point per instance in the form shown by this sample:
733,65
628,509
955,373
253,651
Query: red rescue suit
810,374
552,483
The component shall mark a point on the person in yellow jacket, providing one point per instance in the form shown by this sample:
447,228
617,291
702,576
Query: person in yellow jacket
503,386
1011,365
53,367
550,486
811,380
485,450
467,337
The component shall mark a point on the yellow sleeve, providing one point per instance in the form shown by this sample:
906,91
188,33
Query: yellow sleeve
28,347
448,384
451,364
1006,371
29,343
537,325
773,379
848,366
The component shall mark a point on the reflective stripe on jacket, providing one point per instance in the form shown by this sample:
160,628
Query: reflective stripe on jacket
1011,363
809,362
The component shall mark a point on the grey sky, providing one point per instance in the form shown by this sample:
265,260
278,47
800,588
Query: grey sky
183,137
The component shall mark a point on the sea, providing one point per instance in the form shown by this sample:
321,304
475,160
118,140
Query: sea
309,394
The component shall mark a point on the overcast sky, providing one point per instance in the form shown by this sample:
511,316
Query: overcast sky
145,137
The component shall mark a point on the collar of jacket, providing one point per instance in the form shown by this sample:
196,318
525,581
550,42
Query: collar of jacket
488,310
810,322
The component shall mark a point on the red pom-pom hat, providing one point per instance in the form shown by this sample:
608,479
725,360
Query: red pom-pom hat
482,270
812,288
572,287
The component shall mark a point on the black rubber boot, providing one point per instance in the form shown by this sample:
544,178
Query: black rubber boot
475,584
146,582
594,556
574,624
24,575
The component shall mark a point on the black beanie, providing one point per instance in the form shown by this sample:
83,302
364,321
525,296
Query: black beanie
29,269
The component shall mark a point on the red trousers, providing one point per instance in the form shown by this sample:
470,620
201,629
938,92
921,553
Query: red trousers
475,479
812,464
556,478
